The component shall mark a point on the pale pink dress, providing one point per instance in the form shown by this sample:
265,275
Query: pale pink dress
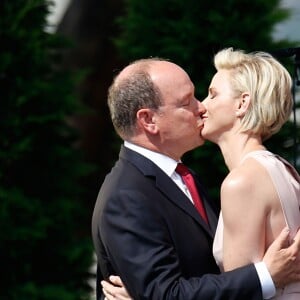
287,183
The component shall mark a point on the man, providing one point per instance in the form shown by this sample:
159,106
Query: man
145,226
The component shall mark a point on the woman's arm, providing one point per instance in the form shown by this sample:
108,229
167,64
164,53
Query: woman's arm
245,205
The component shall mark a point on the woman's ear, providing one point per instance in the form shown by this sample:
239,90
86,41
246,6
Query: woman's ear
146,120
244,103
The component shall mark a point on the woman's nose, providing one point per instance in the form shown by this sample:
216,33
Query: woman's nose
201,106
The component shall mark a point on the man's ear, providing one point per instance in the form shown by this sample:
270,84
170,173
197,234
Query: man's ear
244,103
146,120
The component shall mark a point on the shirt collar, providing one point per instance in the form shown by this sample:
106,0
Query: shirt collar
165,163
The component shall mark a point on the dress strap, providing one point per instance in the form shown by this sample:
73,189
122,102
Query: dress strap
286,181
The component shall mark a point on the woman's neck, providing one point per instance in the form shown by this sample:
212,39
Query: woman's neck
235,147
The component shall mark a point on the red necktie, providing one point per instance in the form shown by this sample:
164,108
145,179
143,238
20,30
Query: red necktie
188,179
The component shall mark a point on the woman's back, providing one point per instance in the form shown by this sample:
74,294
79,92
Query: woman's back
279,189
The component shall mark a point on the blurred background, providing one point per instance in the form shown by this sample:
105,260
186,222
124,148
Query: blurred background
57,60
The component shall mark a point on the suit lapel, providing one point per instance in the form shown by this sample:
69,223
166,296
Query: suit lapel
171,191
211,210
176,195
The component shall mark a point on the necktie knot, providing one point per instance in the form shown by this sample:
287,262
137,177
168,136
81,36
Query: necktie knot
182,169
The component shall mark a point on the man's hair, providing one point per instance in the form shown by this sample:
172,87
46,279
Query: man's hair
130,93
269,85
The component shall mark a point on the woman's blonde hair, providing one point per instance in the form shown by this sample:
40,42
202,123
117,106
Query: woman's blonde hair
268,83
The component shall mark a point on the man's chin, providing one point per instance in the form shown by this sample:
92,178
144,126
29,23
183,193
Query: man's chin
202,142
202,139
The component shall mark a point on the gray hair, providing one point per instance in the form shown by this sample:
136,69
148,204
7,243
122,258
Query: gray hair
130,93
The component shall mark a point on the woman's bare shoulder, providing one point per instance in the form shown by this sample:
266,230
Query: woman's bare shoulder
249,180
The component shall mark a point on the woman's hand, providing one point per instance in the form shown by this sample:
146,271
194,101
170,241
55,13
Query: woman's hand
114,290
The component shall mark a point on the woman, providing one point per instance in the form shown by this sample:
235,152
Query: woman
249,100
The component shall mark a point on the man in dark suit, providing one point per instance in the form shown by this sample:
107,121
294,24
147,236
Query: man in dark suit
145,226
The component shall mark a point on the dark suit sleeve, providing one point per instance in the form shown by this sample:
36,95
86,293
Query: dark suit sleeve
138,242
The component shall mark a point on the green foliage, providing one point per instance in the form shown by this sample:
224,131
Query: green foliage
45,251
189,33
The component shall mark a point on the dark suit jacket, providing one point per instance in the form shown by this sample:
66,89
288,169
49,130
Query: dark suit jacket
147,231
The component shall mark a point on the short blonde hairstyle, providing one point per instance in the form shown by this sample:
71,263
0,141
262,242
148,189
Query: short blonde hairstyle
269,85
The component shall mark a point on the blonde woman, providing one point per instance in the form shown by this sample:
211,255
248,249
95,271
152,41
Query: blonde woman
249,99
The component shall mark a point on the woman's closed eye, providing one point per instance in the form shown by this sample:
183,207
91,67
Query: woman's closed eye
211,95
